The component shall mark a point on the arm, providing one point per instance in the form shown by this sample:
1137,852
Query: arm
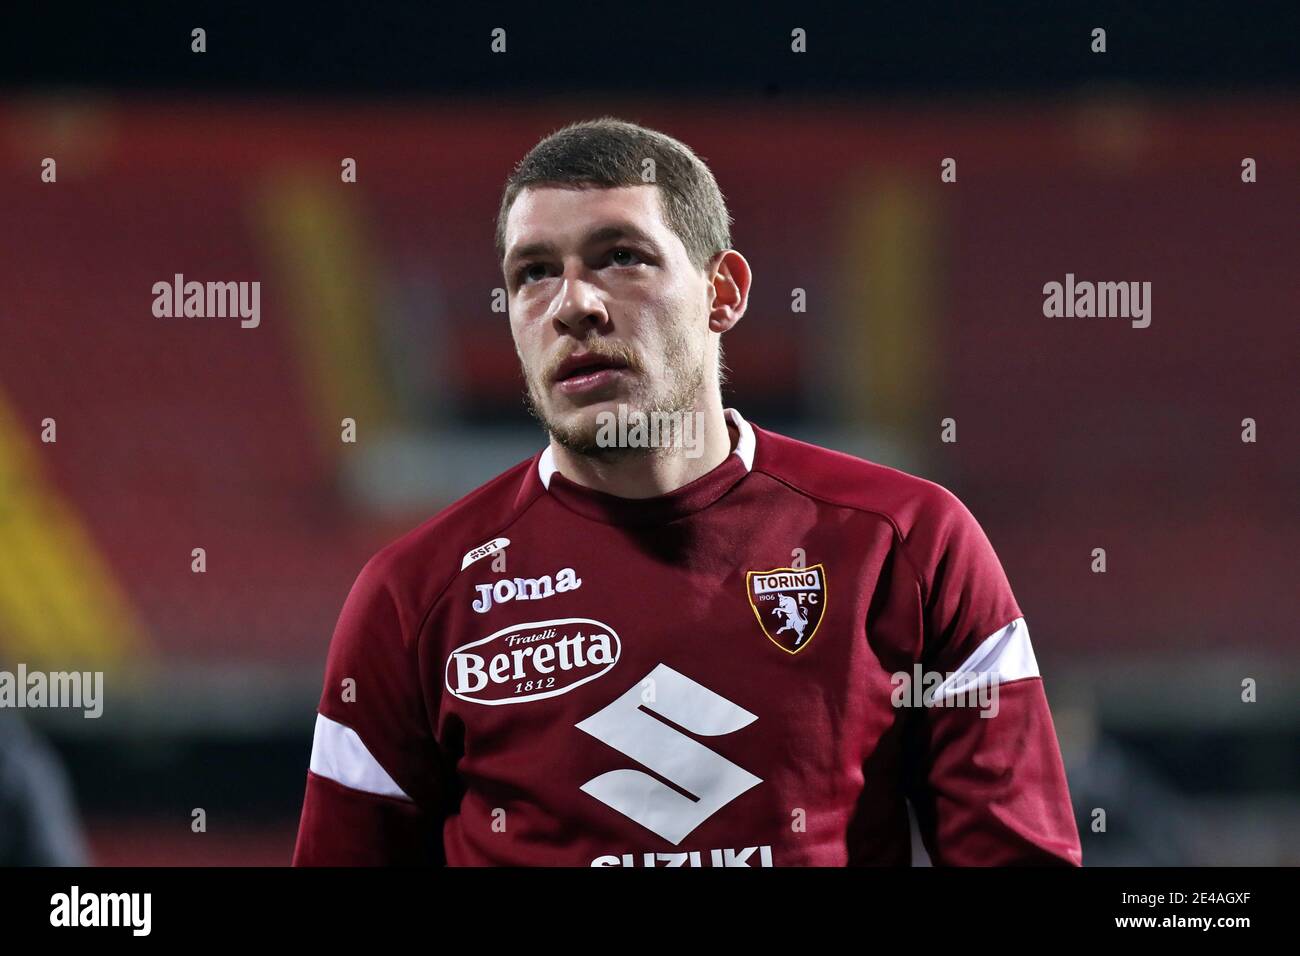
987,783
376,777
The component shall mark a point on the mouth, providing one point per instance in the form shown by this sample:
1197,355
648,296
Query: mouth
585,372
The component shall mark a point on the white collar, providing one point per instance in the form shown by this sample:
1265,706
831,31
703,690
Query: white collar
744,448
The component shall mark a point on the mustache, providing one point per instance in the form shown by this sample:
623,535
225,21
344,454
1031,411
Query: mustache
610,351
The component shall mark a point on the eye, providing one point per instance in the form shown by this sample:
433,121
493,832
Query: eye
616,256
530,271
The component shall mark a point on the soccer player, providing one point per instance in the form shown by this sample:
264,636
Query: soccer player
673,637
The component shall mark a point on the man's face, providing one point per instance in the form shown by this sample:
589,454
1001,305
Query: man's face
605,308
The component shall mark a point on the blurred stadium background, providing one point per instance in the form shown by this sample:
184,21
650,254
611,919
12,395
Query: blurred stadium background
924,302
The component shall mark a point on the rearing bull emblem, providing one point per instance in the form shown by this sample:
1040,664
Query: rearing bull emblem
789,604
795,618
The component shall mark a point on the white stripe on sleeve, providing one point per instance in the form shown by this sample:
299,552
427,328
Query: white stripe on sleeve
338,754
1003,656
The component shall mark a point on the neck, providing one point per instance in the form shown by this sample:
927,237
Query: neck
663,470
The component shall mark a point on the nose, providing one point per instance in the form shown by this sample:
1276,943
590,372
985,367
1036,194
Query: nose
577,307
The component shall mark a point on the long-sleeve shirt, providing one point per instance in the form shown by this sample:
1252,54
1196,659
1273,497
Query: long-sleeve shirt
760,668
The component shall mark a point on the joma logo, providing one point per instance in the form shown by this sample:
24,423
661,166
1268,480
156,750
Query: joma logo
524,589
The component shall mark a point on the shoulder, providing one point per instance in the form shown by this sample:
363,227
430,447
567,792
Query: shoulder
419,565
963,586
913,505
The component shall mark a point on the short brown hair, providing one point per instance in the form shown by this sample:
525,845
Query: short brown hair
607,153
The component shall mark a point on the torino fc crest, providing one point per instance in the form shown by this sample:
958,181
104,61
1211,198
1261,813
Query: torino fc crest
789,603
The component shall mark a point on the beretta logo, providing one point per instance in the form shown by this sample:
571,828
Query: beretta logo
532,661
789,604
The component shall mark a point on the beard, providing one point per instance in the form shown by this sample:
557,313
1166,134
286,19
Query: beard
678,394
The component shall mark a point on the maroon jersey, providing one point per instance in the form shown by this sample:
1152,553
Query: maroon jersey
759,668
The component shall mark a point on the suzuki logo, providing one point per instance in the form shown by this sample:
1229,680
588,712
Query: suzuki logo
712,780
